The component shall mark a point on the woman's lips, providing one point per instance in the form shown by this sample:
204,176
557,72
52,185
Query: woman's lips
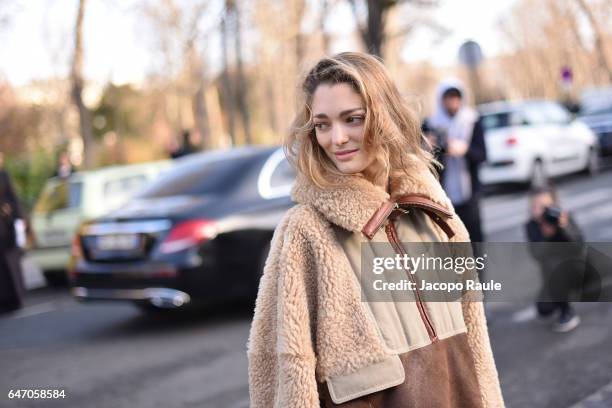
346,154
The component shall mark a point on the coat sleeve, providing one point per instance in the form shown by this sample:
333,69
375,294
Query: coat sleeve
280,351
10,196
478,338
477,152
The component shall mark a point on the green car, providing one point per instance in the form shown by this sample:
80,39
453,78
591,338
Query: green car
65,203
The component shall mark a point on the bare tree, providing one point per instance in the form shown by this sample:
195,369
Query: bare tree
197,76
77,80
241,83
544,36
179,35
324,34
226,83
300,9
599,38
373,31
5,14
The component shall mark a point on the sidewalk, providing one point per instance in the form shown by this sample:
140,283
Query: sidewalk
542,368
602,398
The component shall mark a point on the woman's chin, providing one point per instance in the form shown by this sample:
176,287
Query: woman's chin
348,169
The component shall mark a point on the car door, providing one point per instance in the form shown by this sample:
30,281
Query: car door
568,150
540,135
57,213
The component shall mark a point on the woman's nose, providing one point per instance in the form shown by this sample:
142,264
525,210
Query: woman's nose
339,135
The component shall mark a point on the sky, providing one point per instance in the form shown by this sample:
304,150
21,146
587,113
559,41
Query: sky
37,43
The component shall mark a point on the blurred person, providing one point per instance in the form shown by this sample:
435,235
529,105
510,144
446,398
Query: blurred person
11,280
187,146
171,147
314,341
457,135
549,223
64,166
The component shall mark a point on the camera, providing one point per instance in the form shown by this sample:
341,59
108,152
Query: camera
552,215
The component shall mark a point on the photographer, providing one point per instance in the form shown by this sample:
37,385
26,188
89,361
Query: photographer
549,223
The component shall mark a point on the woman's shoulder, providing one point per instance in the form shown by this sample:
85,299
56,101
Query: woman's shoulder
303,218
296,233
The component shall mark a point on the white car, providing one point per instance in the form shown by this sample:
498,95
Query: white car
64,203
530,141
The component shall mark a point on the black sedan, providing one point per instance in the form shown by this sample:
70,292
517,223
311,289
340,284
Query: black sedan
201,231
596,112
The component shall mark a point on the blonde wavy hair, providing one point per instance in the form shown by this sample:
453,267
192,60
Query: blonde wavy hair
391,129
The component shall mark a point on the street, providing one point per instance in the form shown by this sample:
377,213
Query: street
111,355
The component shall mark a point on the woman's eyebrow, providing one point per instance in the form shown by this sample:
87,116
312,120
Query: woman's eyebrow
343,113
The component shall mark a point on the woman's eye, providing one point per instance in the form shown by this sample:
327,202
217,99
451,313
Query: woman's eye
320,126
355,119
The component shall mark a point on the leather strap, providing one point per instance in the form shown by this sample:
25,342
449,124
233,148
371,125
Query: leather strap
375,222
438,213
424,202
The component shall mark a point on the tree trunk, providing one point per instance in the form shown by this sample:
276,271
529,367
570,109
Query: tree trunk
200,115
600,48
241,85
77,89
299,37
228,102
325,35
373,34
271,105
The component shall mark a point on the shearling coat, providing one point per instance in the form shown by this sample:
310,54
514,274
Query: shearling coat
310,323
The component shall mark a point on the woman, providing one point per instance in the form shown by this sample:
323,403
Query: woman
363,177
11,286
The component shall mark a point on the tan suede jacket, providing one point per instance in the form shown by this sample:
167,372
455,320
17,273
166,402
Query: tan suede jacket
313,341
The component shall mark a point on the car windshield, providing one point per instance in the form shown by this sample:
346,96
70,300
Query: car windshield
596,107
499,120
199,176
59,195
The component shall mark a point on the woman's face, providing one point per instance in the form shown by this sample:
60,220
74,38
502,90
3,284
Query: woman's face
339,115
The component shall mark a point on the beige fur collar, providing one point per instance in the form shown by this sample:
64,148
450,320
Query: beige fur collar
353,203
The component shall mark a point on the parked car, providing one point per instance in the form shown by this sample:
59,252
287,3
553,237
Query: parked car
596,112
529,141
65,203
200,232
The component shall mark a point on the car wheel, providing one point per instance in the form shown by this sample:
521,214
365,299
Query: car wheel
592,166
55,279
538,175
147,307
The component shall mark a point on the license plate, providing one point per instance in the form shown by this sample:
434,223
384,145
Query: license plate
55,235
118,242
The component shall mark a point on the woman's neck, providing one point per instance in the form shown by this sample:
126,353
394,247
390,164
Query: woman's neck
383,183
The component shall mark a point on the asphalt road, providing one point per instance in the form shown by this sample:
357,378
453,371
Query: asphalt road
111,355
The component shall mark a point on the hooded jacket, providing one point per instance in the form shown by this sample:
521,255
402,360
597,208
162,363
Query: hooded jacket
310,326
465,124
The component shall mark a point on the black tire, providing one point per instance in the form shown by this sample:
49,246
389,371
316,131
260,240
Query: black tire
56,279
593,162
149,308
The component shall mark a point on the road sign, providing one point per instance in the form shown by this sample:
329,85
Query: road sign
470,53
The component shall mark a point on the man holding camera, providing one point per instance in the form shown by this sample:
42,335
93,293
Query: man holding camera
549,223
